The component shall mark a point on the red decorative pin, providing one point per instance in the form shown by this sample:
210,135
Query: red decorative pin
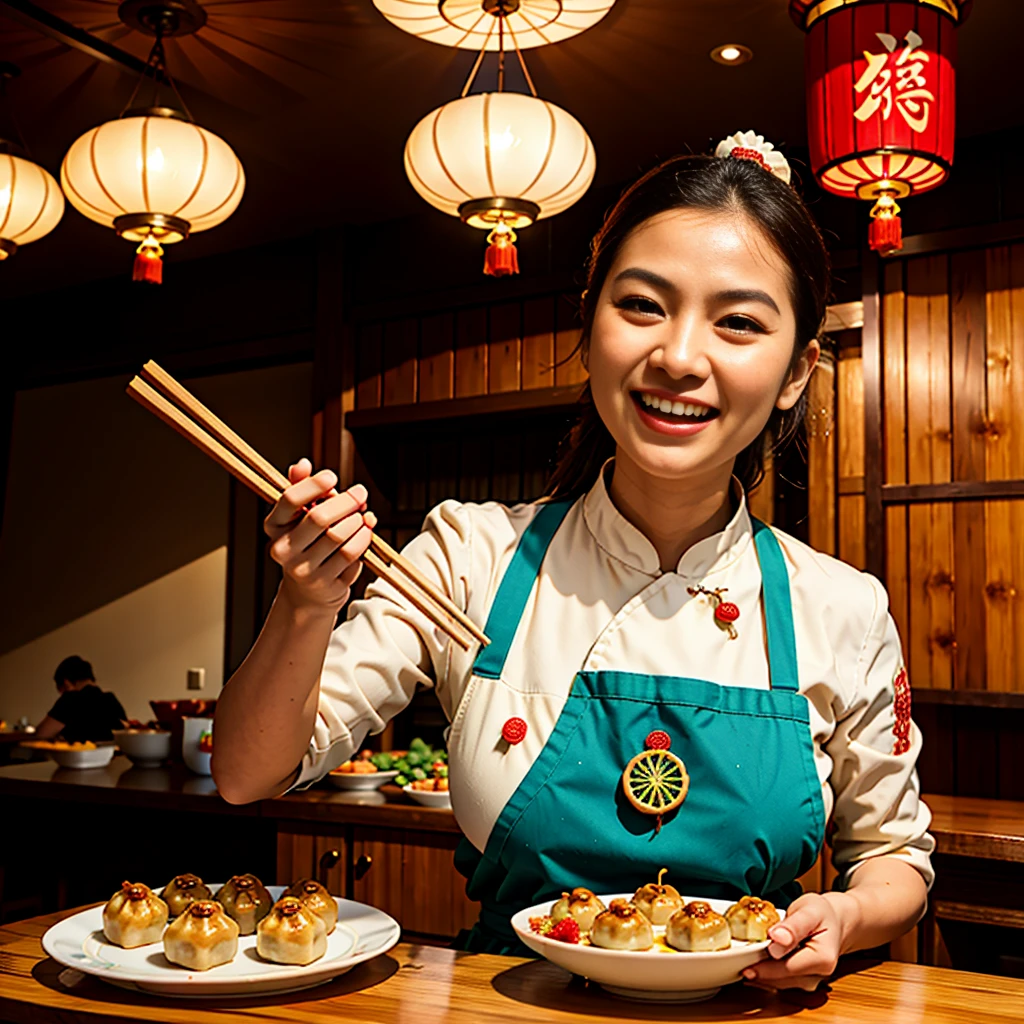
657,740
514,731
726,613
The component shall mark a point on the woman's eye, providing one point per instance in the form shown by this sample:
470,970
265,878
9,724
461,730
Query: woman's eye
640,304
742,324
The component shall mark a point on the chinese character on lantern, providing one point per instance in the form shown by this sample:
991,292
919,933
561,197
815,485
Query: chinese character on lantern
912,93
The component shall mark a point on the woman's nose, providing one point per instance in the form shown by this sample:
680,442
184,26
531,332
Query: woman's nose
683,351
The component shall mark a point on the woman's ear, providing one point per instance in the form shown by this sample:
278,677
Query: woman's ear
799,375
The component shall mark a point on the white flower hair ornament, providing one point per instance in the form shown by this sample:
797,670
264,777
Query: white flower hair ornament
751,146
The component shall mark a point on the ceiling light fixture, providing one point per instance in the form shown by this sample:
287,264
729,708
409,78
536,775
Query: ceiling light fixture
467,24
732,54
153,174
500,160
30,201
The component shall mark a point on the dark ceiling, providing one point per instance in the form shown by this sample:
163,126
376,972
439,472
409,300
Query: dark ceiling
318,96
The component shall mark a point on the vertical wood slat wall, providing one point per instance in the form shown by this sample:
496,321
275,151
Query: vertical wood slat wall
953,367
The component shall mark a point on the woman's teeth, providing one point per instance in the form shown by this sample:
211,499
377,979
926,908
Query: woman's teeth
663,405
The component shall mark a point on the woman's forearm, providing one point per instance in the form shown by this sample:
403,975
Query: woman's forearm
266,711
885,899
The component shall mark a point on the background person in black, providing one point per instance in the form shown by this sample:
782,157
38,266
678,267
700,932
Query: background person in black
83,711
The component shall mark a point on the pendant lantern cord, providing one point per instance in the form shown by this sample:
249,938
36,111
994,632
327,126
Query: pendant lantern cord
522,62
501,53
157,62
477,63
501,59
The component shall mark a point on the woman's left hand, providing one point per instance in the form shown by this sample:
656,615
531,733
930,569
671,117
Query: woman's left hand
806,945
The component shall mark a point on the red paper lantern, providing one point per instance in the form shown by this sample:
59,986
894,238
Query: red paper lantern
881,99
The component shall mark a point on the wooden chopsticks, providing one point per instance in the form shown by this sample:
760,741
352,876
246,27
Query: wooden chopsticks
157,391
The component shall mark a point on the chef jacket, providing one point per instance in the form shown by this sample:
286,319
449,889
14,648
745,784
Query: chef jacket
602,602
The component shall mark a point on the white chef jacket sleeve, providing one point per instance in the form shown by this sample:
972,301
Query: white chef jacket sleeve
386,647
877,805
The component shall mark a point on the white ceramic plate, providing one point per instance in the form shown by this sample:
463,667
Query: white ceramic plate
354,781
429,797
657,974
78,942
98,757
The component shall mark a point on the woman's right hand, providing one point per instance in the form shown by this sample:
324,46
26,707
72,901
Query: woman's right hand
319,549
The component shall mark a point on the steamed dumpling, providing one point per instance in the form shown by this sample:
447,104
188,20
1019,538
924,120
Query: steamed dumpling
245,900
581,905
658,902
316,898
622,926
291,934
182,890
202,937
750,919
697,929
134,916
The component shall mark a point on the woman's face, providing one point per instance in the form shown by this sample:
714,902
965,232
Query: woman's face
692,342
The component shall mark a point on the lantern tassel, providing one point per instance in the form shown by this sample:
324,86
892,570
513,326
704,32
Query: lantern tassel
501,258
149,267
885,235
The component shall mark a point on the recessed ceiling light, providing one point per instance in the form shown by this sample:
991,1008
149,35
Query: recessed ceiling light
732,53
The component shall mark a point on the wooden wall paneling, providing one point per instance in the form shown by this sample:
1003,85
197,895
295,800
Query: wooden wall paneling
761,501
506,466
1004,522
300,848
936,765
368,365
1011,764
821,456
539,343
376,870
977,752
401,351
967,287
850,420
504,357
471,352
871,375
567,336
930,634
539,447
437,357
474,467
444,468
434,901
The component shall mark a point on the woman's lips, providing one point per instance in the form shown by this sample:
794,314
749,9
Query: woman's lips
674,426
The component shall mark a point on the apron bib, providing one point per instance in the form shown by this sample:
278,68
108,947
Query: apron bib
753,817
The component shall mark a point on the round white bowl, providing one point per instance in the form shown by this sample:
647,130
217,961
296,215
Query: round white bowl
351,782
428,797
96,757
146,748
658,974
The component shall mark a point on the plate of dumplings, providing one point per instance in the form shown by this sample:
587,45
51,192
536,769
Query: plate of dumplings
651,944
191,938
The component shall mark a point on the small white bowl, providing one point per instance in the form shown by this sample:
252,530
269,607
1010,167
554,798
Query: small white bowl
353,781
147,748
429,797
83,757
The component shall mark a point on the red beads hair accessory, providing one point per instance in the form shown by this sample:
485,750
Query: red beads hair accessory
514,731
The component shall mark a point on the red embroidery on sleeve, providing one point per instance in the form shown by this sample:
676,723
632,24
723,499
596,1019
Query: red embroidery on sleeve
901,707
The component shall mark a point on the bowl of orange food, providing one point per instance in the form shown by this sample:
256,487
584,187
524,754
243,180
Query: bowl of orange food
359,774
75,755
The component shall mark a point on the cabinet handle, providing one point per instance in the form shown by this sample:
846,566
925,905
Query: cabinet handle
328,861
363,865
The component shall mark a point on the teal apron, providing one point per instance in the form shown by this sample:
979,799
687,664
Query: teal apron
752,821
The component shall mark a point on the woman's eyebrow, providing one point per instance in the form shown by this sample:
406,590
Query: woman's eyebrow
748,295
647,276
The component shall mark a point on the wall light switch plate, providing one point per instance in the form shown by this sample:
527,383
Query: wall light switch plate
196,678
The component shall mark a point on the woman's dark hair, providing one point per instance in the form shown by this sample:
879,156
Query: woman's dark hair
73,670
705,183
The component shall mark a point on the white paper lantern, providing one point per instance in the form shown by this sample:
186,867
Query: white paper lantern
155,178
473,24
31,203
500,161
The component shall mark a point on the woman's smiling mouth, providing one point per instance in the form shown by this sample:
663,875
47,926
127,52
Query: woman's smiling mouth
672,416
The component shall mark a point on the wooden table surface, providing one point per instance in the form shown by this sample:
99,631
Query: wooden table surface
428,985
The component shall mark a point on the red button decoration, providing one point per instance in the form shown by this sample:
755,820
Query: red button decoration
514,731
658,740
727,612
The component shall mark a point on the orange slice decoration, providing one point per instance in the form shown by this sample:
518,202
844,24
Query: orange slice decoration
655,782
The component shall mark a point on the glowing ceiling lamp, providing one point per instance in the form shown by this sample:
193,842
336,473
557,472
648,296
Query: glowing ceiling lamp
30,201
500,160
154,175
468,24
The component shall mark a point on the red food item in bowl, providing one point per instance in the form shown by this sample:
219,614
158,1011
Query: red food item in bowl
567,930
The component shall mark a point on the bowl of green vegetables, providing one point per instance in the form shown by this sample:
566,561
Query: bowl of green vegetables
419,765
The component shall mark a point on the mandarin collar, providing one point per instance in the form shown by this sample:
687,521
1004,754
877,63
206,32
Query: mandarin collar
620,539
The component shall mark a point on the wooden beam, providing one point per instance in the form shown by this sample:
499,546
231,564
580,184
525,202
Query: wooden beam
973,237
957,490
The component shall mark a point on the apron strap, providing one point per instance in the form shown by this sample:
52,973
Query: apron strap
778,609
515,587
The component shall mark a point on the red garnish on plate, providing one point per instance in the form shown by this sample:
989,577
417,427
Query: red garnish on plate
658,740
567,930
541,925
514,731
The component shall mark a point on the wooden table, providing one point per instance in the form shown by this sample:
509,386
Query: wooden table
426,985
